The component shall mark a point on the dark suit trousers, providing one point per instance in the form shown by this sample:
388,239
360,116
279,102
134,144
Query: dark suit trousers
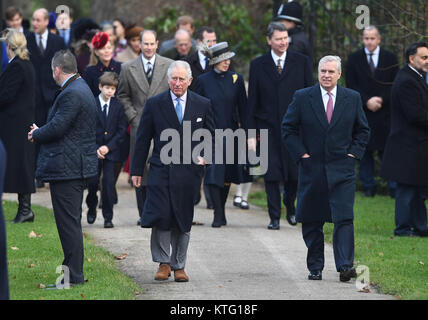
343,244
219,197
273,194
410,209
67,197
108,192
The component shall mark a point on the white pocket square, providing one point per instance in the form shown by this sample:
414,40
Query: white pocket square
199,120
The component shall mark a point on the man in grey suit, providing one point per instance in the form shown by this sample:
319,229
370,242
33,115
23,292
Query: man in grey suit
140,79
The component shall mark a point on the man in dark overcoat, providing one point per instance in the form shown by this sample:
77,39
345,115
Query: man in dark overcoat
371,71
325,130
42,45
168,209
4,280
274,77
406,153
68,156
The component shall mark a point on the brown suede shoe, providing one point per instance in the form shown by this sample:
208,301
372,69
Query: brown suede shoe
180,276
163,273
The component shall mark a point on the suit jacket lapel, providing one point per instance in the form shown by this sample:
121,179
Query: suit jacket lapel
270,67
169,111
137,70
100,114
288,64
339,106
158,74
318,105
188,111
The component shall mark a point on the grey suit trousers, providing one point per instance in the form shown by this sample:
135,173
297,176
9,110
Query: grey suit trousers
161,243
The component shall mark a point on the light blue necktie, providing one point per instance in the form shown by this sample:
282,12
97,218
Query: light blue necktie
179,110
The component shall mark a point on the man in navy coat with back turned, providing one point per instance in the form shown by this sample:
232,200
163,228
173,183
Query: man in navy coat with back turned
169,208
325,130
274,77
68,156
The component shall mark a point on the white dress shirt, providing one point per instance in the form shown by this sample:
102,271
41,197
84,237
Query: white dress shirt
145,61
325,96
202,60
183,100
44,38
275,58
375,56
102,103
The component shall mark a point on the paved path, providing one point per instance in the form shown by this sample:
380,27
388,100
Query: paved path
241,261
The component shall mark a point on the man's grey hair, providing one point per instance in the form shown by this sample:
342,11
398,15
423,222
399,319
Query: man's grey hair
371,28
274,26
142,33
181,32
65,60
331,59
179,64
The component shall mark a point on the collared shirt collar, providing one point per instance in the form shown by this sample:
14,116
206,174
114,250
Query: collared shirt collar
183,98
415,71
44,35
375,52
333,91
275,58
152,60
65,81
103,102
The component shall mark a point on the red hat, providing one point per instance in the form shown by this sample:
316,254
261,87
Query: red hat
100,40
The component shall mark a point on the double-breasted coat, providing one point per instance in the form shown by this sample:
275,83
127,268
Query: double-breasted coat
228,97
134,90
405,159
326,183
17,112
360,78
170,187
269,94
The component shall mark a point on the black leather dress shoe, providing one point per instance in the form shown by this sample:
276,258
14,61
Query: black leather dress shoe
346,273
91,216
421,233
291,219
108,224
244,205
274,225
315,275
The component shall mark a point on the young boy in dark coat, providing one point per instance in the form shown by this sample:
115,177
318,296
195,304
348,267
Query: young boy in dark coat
111,131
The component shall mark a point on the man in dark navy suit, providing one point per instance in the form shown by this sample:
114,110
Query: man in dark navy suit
371,71
42,45
325,130
406,153
169,208
4,282
274,77
111,131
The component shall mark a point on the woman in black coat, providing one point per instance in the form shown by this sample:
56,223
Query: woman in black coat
17,108
226,90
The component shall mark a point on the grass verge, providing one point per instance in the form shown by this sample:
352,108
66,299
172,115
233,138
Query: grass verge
397,265
33,261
